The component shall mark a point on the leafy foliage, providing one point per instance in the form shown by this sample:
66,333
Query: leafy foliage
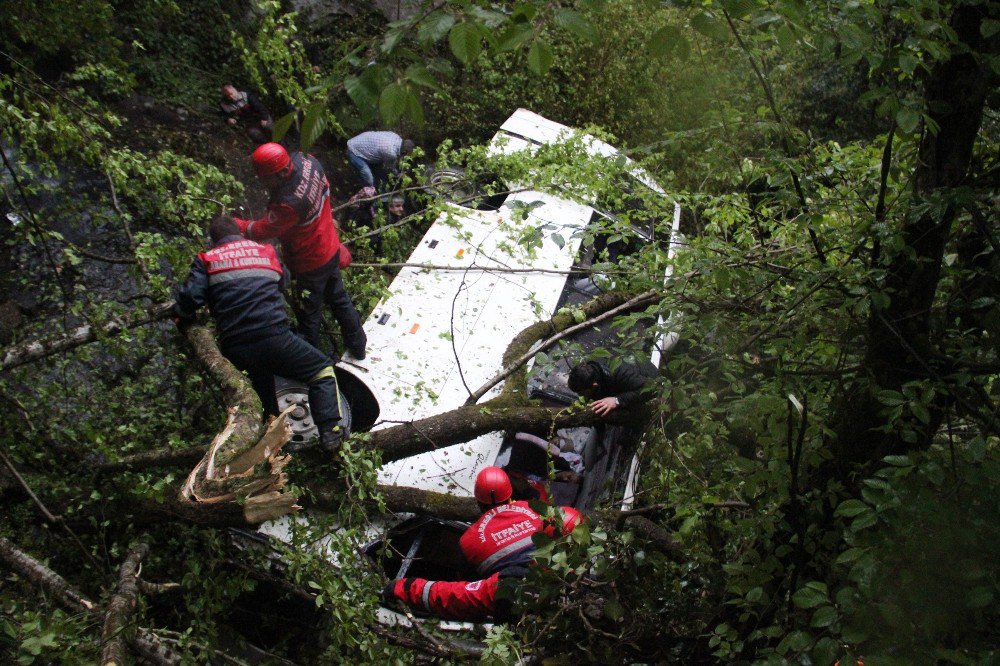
794,135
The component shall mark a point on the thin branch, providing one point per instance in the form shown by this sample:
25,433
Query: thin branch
491,269
32,351
641,299
45,511
125,225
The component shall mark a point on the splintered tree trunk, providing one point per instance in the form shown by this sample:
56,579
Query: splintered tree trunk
900,345
244,462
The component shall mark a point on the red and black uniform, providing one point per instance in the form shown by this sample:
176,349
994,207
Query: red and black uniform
499,546
298,215
240,281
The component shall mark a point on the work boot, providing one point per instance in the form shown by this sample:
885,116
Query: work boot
358,353
330,439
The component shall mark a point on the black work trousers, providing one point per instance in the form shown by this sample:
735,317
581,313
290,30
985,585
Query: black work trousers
289,356
324,285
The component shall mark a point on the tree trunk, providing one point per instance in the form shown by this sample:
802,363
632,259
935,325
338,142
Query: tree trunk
900,345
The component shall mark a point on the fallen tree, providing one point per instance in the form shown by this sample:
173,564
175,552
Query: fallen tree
143,642
34,350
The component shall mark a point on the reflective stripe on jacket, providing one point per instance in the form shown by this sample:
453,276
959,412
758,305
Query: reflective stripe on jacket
240,281
501,537
461,600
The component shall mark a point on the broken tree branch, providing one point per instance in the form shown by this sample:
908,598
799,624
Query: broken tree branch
145,643
468,422
33,570
36,349
118,615
242,464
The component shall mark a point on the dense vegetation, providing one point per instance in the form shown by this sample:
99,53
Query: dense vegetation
825,447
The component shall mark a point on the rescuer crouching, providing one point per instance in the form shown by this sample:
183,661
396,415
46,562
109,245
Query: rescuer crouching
498,545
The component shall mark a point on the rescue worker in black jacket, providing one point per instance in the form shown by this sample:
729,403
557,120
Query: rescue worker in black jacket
240,281
612,389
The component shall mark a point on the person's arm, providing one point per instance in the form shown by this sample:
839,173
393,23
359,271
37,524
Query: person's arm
629,381
279,219
192,294
451,600
261,110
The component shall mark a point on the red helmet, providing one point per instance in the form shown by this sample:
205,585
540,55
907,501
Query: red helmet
269,159
493,486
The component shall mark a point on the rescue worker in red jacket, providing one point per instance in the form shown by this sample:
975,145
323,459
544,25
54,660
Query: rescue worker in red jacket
498,545
240,281
298,214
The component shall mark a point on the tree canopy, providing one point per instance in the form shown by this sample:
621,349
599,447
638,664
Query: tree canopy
820,475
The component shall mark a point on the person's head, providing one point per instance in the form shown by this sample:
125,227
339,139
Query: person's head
492,488
407,147
229,92
584,378
271,163
221,227
396,206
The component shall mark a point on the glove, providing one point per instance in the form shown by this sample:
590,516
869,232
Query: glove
388,595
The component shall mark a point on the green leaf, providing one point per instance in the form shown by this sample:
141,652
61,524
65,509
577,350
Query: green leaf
919,410
540,57
825,651
785,37
392,102
898,461
664,41
808,597
907,118
613,610
864,521
573,22
890,398
709,26
514,37
414,110
392,39
979,597
434,27
313,124
419,75
465,41
281,125
824,616
878,484
796,641
989,27
488,18
558,240
360,92
739,8
850,555
850,508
